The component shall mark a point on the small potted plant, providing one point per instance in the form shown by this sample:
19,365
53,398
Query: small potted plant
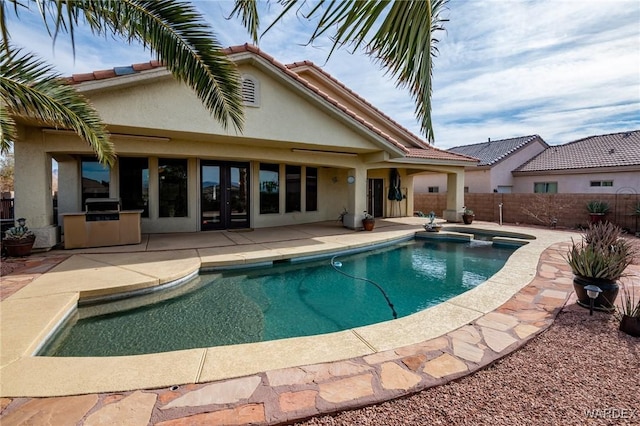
368,222
432,226
597,209
467,215
628,313
18,240
599,259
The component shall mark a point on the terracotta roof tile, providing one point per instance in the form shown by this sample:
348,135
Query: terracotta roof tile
113,72
611,150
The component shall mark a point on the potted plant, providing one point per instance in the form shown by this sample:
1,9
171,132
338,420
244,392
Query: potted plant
467,215
432,226
368,222
599,259
18,240
628,313
597,209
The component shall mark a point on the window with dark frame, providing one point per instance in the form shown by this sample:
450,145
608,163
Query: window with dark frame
96,179
311,184
134,184
269,188
172,188
293,189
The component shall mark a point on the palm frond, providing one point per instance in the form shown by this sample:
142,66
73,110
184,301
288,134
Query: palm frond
399,35
30,88
247,11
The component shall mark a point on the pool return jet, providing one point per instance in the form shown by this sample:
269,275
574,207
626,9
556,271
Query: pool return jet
336,265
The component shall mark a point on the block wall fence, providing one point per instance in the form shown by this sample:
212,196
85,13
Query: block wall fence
569,209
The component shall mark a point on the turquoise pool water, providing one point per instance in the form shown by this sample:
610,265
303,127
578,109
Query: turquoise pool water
286,300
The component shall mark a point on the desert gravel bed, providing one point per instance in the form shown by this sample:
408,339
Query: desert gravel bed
579,363
580,371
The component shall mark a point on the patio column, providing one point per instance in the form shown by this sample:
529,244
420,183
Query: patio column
357,198
455,196
32,182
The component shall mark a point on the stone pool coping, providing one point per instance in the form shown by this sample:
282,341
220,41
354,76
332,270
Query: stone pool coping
309,375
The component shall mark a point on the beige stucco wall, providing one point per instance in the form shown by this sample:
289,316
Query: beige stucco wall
151,115
283,115
627,182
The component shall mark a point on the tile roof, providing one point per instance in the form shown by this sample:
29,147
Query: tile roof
424,151
612,150
491,152
114,72
434,153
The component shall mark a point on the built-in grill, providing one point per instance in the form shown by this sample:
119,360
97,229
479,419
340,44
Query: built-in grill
101,224
99,209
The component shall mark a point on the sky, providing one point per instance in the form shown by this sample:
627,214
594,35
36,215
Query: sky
562,69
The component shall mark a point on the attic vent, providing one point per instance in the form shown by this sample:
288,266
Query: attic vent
250,91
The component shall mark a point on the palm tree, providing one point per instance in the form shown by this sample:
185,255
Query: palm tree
173,30
399,35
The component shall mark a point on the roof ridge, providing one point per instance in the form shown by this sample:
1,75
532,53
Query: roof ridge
596,136
530,137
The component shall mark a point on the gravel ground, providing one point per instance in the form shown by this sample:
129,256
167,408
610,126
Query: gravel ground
580,363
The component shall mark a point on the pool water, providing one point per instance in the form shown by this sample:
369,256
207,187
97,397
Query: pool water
288,300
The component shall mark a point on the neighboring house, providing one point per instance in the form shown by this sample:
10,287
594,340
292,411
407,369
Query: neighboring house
493,173
310,147
604,164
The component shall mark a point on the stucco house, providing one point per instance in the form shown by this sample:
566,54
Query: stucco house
497,159
603,164
309,149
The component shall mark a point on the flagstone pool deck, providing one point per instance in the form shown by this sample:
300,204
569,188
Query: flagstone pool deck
267,382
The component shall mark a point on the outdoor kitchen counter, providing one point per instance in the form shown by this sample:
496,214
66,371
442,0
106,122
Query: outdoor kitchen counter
106,228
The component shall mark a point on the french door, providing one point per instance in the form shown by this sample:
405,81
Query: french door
375,197
224,195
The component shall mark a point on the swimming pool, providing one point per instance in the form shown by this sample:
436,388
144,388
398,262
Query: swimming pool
285,300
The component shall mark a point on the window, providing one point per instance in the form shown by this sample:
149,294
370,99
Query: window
269,188
250,88
95,179
134,184
601,183
545,187
172,175
466,189
312,189
434,189
293,189
504,189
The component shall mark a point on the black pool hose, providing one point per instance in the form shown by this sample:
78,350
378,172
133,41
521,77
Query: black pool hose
384,294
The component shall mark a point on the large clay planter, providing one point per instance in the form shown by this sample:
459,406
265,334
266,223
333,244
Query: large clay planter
19,248
596,217
605,300
630,325
368,224
467,218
